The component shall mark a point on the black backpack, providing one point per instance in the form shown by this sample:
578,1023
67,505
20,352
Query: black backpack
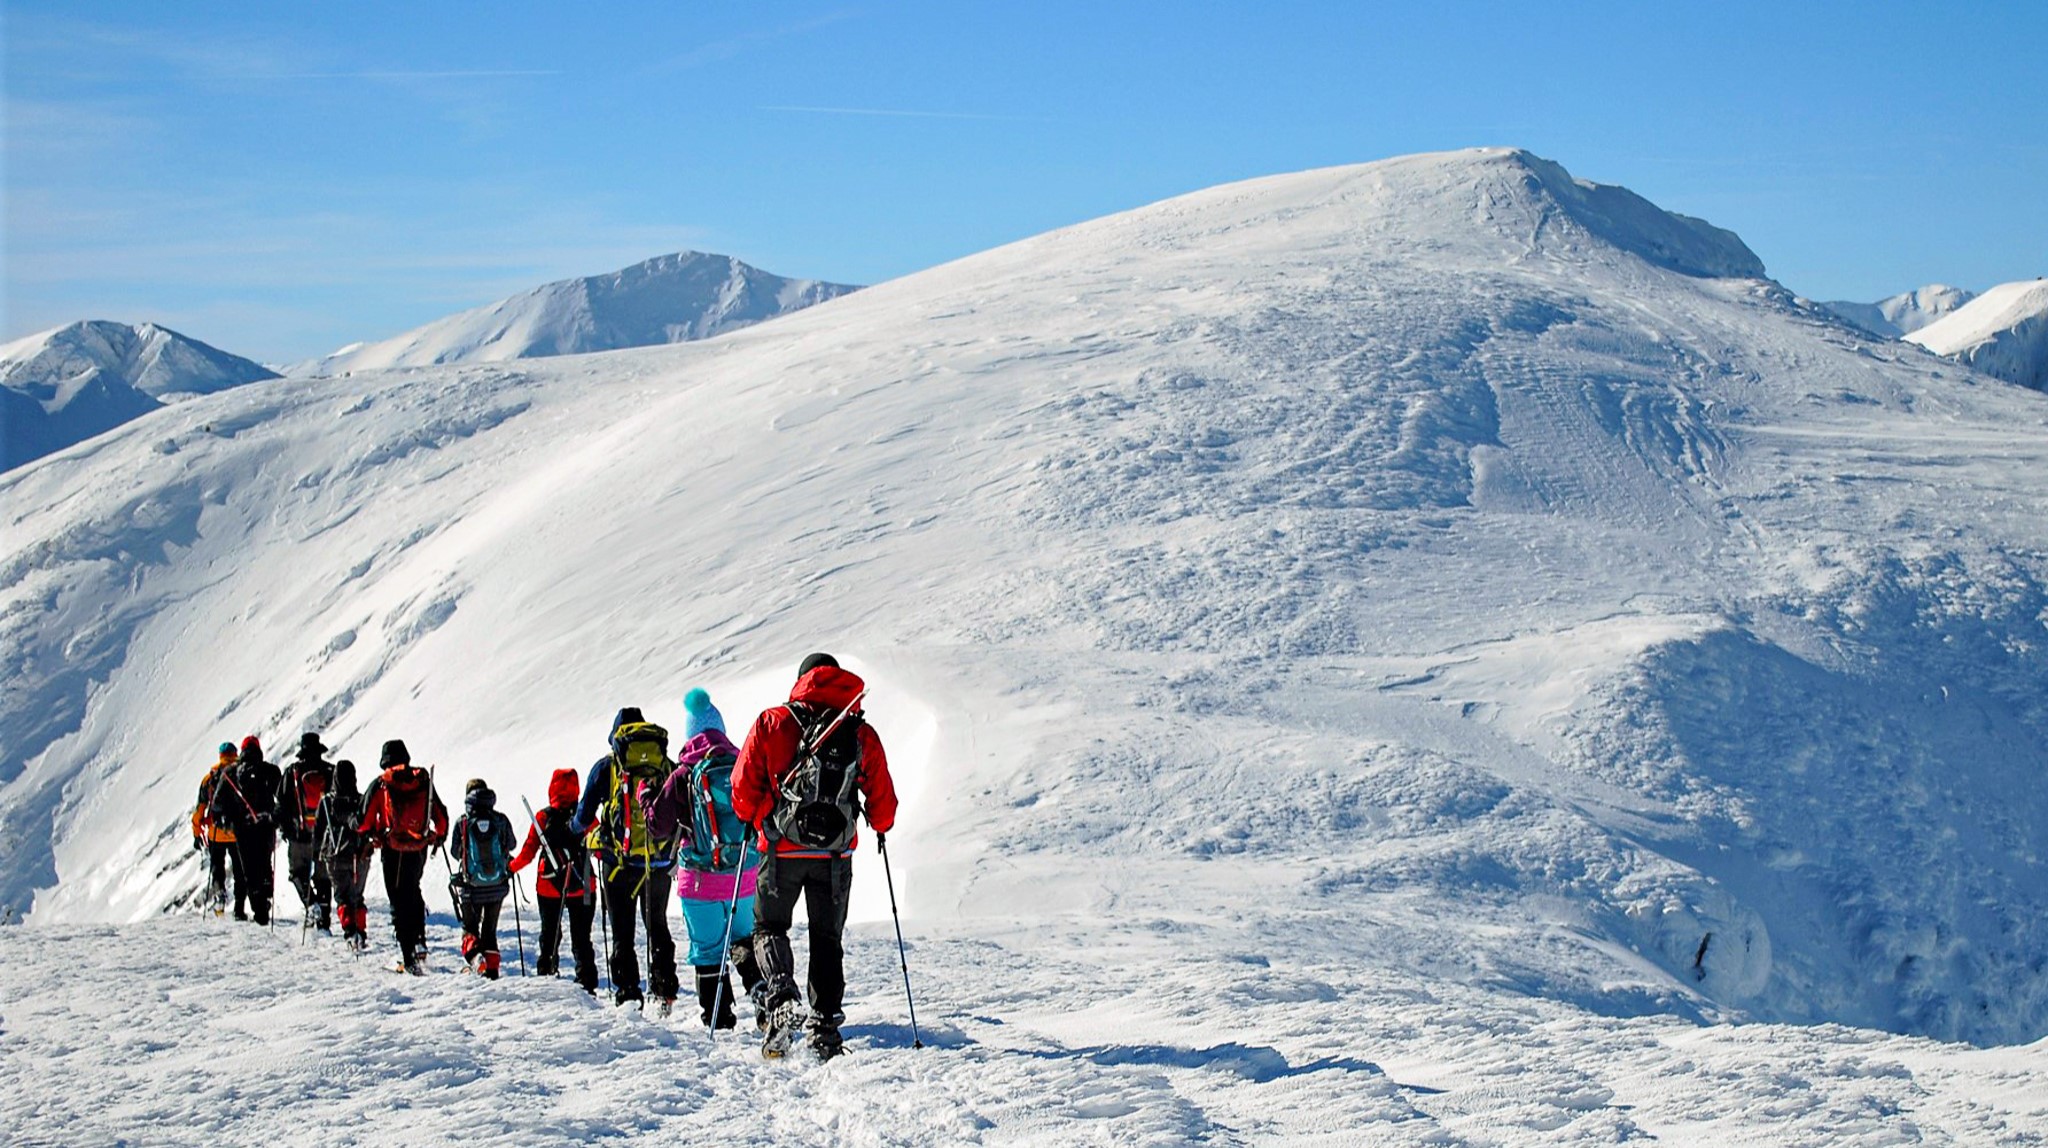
344,834
818,801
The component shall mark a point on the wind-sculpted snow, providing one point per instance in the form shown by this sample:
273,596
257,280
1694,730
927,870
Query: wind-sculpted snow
1440,570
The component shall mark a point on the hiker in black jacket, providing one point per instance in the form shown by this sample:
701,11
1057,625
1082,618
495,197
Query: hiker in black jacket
246,799
481,848
299,790
344,854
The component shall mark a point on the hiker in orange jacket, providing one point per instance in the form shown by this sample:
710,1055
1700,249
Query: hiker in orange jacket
211,834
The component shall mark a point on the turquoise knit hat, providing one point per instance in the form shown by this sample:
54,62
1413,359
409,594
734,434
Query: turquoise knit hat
703,715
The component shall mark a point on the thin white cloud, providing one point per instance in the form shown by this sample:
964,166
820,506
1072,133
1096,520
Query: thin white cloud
904,113
457,74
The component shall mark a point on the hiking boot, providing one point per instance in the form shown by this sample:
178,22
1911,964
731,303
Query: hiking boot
781,1030
826,1043
625,996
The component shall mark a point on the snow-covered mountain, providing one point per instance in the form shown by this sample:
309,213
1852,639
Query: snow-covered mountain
2003,332
66,385
668,299
1900,315
1394,646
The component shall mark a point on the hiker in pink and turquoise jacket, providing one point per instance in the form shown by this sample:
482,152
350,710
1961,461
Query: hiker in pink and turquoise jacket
714,854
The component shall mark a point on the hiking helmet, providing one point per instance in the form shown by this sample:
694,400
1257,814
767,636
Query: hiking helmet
394,754
816,660
703,715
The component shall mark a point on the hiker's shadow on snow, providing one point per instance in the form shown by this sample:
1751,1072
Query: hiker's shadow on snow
1257,1063
899,1035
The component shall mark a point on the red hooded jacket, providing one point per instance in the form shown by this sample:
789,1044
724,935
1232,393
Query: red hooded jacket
771,748
566,846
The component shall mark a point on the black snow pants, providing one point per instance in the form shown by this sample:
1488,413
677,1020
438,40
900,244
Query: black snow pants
641,893
257,849
222,858
309,879
825,884
402,874
581,910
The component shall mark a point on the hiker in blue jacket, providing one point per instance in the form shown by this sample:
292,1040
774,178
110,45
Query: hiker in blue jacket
633,865
481,849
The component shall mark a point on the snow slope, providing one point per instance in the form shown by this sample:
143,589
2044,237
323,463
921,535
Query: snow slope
668,299
66,385
2004,332
1432,622
1900,315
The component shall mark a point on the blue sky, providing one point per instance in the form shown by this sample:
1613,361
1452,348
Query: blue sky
280,179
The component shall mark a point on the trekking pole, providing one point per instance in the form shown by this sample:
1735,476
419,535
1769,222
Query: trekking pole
518,929
732,911
882,844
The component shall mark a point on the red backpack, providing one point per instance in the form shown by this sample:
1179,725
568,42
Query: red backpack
408,808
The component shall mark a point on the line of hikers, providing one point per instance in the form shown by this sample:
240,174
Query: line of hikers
746,832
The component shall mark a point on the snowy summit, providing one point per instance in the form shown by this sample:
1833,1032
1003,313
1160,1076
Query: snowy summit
1432,651
1902,314
2003,332
66,385
669,299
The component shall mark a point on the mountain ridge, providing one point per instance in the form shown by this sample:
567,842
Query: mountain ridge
1430,563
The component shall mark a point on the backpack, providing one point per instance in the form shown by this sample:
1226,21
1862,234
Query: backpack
717,835
564,845
309,785
639,756
344,826
408,814
483,856
818,800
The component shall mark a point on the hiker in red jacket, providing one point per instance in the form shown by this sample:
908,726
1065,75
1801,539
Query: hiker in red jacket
564,882
404,817
808,769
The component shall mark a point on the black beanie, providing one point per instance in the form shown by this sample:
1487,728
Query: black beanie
816,660
345,776
394,754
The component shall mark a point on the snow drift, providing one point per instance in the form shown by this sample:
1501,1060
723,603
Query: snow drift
1440,564
2003,333
66,385
668,299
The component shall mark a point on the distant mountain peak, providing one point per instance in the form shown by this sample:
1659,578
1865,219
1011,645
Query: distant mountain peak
2003,332
673,298
70,383
1897,316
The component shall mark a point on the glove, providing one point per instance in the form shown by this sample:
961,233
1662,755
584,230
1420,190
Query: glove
198,845
881,839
